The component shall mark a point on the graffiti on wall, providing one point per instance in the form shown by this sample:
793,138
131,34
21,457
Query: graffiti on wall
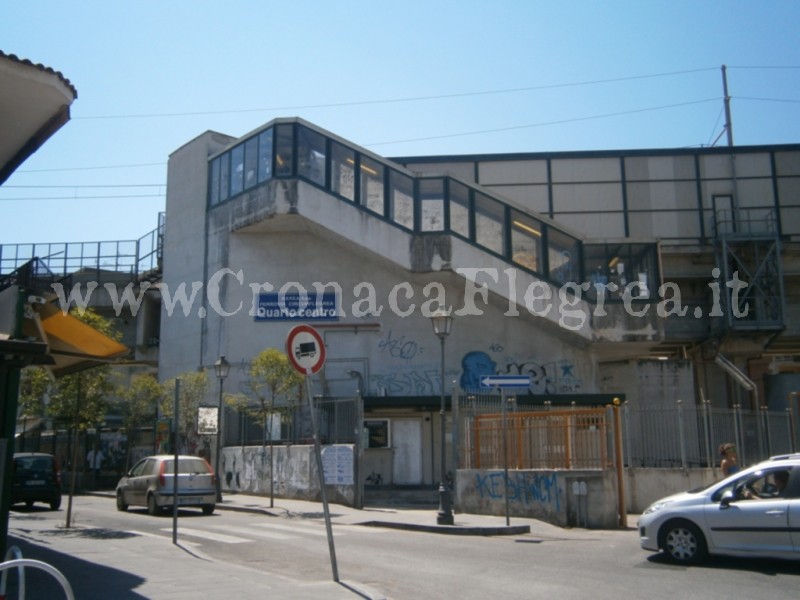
413,383
524,487
399,347
556,377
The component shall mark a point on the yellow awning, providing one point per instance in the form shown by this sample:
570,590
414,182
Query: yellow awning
74,345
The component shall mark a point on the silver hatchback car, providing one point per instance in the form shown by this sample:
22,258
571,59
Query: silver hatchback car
755,512
151,483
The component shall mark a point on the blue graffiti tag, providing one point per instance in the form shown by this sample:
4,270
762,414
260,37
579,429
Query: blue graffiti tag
523,487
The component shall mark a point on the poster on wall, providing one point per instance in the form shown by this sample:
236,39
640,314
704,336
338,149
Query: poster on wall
337,465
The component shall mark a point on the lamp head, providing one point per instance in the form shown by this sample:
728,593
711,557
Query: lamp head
442,321
222,368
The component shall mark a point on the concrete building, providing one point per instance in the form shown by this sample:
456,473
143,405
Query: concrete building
650,275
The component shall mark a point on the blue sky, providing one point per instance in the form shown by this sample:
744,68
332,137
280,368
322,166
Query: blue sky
401,78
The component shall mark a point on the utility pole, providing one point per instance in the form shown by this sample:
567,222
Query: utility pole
728,124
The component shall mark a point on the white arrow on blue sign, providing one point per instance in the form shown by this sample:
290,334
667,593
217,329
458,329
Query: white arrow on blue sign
505,381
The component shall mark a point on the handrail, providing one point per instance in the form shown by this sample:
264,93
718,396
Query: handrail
21,563
21,574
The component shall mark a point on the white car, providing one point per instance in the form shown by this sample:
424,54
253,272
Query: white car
151,483
755,512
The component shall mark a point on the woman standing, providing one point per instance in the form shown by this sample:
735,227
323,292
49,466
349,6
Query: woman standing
729,463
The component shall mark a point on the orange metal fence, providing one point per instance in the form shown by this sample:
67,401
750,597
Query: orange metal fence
558,439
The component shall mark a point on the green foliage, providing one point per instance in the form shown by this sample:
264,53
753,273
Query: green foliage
81,400
275,384
139,402
193,388
34,385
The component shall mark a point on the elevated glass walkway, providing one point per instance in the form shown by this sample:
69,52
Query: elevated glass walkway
428,205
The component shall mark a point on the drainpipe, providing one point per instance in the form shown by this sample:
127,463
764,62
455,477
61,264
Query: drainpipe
738,376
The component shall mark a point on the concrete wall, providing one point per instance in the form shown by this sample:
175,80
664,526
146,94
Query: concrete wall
645,486
564,498
247,470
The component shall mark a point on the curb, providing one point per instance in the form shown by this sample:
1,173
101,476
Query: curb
475,530
452,529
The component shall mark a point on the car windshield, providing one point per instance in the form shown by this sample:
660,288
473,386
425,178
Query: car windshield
186,465
37,464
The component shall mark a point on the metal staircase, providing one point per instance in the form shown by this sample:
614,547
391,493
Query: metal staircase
747,248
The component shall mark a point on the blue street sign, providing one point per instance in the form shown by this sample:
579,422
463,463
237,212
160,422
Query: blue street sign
505,381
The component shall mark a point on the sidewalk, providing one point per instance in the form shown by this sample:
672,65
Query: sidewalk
101,563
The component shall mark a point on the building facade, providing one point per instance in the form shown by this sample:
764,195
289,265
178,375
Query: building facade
650,275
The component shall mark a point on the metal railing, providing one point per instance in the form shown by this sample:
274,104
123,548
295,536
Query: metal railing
559,439
679,435
686,436
133,258
20,563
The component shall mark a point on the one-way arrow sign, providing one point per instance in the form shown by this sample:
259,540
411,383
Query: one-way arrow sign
505,381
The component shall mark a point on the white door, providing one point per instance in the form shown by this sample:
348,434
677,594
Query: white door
407,450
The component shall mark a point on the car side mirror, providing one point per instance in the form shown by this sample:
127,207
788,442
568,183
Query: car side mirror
726,499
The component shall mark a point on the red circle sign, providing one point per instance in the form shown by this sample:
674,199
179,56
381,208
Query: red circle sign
305,349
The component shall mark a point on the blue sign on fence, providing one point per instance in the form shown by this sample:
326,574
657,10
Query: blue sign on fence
505,381
297,307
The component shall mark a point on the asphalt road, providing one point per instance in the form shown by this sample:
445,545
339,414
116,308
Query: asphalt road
404,564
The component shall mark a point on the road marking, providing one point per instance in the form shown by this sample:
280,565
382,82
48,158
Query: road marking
296,529
217,537
254,532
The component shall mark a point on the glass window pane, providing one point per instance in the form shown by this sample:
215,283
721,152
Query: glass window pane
431,195
401,195
459,208
372,191
237,170
283,150
250,162
343,165
311,155
224,176
562,253
489,223
214,183
265,155
526,241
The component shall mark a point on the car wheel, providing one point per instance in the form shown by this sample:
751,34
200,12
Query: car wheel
683,542
152,508
121,506
55,503
208,509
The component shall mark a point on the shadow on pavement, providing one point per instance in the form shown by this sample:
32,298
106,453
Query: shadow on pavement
88,580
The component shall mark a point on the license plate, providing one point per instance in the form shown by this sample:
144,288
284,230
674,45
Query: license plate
36,482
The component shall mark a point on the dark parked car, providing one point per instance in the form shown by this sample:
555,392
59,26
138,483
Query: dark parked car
37,478
150,483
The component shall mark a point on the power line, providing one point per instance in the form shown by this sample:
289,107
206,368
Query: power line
158,164
397,100
45,198
545,123
111,185
765,99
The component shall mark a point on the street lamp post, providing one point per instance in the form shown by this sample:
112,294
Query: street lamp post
442,323
222,368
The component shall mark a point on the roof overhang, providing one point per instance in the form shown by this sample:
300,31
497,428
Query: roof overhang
50,337
34,104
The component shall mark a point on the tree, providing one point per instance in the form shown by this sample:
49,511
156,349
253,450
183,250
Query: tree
193,388
81,400
35,383
271,379
241,404
139,407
